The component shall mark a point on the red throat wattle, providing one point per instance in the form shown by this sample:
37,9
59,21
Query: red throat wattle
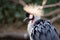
31,17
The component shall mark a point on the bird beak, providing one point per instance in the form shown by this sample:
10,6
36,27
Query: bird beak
25,19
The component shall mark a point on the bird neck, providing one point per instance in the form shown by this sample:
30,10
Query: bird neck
35,19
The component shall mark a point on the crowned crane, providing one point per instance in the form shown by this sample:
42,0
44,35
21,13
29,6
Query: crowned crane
39,28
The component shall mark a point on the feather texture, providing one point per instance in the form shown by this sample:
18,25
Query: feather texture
44,30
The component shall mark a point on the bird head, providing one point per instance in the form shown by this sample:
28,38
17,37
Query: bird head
29,17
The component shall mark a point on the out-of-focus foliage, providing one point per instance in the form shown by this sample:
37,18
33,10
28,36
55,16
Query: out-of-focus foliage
11,11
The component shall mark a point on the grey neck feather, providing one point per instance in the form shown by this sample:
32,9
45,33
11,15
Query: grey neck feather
36,18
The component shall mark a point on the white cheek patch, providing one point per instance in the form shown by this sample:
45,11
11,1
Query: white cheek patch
30,16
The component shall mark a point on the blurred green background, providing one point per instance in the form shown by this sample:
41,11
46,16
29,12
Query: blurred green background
11,12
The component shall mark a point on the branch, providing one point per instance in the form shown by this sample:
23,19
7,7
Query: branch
55,18
14,34
53,12
44,2
52,5
22,3
19,2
